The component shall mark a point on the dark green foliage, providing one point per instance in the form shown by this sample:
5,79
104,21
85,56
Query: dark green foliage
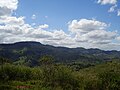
70,69
110,80
79,65
46,60
60,77
102,77
4,60
10,72
33,51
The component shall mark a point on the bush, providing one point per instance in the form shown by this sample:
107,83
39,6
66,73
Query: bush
110,80
60,76
12,72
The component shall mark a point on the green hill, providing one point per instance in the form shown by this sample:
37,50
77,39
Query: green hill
31,52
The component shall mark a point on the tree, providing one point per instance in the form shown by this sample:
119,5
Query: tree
4,60
46,60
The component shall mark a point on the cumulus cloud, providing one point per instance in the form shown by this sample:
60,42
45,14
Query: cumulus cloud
7,6
59,35
88,33
4,11
11,4
85,25
43,26
91,33
97,37
12,20
104,2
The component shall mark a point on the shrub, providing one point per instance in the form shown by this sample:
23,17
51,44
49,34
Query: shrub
110,80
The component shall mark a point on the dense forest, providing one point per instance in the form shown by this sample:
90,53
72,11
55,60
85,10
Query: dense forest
49,75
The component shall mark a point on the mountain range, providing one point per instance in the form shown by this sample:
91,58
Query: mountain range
30,52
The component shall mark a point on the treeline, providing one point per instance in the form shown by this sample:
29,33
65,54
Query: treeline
51,76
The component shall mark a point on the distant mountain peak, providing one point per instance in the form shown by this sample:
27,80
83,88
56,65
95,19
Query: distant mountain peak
32,42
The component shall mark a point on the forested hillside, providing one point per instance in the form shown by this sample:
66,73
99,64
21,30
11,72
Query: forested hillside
34,66
30,52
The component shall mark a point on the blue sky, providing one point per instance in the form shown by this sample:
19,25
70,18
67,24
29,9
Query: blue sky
68,23
60,12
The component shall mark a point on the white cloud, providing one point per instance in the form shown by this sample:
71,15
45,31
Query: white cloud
12,20
118,13
88,33
104,2
59,35
94,36
33,16
97,37
43,26
85,25
117,39
112,9
113,4
4,11
11,4
7,6
91,33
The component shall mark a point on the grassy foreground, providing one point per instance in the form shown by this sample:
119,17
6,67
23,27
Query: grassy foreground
60,77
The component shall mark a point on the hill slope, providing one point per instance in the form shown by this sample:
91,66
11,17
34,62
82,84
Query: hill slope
32,51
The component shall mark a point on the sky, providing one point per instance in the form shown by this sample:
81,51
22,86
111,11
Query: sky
66,23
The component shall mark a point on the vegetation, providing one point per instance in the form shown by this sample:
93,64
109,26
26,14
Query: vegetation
53,76
28,53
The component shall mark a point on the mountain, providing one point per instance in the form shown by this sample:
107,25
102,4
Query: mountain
31,52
